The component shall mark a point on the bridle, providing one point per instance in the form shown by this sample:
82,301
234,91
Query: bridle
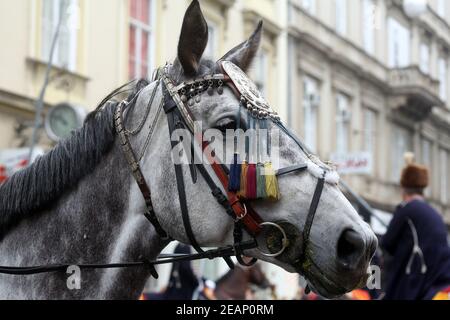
176,102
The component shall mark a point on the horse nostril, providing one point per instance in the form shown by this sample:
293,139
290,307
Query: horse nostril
350,249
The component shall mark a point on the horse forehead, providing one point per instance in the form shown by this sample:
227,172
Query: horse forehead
219,103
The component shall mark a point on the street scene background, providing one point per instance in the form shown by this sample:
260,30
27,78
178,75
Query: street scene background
361,81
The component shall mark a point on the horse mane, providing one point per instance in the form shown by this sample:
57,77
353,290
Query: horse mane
51,175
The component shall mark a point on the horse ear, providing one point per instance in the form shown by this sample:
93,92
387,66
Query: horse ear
193,39
243,54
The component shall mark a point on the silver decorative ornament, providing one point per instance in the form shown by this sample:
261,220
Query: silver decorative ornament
245,86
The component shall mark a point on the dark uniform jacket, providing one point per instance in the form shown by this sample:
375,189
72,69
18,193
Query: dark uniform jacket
408,276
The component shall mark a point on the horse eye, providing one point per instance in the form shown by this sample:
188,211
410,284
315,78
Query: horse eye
225,124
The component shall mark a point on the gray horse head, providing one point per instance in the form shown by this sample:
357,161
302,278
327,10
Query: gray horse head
341,244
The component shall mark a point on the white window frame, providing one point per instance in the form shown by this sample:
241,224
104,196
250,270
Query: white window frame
369,12
260,71
443,73
341,17
402,142
213,43
342,123
140,29
441,8
425,58
444,175
68,34
370,132
309,6
399,44
311,98
427,159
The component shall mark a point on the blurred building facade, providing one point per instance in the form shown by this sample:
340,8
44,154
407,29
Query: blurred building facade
365,77
350,76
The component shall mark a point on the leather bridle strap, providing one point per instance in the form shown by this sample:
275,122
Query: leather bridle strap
175,121
136,170
174,124
238,225
287,170
243,211
216,191
311,215
248,218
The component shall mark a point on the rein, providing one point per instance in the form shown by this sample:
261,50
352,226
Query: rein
228,251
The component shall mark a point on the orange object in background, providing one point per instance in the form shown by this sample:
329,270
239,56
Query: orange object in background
360,294
443,295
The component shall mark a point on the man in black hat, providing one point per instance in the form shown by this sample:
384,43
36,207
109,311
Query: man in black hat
417,242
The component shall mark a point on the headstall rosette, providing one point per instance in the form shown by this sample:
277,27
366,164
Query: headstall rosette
251,98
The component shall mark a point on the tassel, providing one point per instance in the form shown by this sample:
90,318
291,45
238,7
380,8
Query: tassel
260,182
272,190
235,175
251,182
244,169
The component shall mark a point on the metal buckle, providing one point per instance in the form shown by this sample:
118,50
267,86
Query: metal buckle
284,241
244,215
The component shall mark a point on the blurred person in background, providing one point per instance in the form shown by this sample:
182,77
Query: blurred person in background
416,243
182,283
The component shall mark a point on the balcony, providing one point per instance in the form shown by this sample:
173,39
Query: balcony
413,92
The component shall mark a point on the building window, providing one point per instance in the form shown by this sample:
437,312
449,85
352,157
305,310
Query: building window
441,8
402,142
370,133
311,101
427,160
399,44
425,58
141,38
309,6
65,54
260,71
211,48
341,17
342,123
369,11
443,79
444,176
426,153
